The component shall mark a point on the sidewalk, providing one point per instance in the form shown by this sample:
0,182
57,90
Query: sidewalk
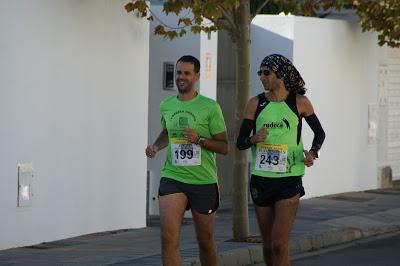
320,222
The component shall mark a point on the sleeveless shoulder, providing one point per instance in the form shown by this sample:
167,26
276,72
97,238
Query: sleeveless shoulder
262,102
292,103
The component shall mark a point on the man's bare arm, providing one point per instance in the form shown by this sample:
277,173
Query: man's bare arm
160,143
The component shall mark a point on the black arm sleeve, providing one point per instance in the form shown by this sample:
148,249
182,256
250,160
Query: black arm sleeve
243,140
319,133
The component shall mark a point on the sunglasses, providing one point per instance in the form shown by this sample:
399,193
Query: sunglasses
264,72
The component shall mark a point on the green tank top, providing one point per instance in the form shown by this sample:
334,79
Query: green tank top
281,154
186,162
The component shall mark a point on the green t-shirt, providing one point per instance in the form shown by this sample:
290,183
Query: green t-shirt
281,154
185,162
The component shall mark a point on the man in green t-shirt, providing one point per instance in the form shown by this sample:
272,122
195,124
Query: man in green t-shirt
193,131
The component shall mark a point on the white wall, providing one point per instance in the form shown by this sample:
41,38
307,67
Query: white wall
208,59
73,100
164,50
270,35
389,97
340,67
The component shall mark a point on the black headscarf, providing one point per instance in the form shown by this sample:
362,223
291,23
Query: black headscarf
286,71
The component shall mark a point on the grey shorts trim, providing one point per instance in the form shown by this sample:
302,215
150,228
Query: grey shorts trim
203,199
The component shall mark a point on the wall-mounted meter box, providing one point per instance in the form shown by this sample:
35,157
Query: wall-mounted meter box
168,77
25,184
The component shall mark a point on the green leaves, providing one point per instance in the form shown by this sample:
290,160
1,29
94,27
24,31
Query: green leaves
172,34
212,10
382,16
173,7
195,29
185,21
159,30
139,6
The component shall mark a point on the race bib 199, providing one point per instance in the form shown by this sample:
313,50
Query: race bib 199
185,153
271,157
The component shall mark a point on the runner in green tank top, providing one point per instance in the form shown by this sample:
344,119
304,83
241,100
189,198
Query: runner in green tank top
193,131
278,156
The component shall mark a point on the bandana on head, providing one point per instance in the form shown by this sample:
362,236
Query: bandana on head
285,71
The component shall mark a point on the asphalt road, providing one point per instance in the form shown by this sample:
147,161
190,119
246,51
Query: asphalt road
378,251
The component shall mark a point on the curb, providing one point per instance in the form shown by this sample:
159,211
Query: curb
253,255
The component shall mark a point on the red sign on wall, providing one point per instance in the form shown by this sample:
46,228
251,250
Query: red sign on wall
208,66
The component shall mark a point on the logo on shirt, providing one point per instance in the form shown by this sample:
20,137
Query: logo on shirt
183,122
279,124
286,123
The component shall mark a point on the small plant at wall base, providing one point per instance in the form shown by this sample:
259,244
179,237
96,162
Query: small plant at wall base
235,16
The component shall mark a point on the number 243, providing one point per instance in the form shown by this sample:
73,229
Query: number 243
269,159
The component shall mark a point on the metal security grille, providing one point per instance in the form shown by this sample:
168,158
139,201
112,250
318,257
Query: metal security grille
392,88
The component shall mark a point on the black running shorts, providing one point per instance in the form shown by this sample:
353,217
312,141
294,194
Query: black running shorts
267,191
202,198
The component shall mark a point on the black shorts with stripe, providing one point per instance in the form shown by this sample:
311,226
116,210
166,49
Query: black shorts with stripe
267,191
203,199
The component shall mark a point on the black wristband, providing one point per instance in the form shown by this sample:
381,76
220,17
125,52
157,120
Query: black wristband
316,152
319,133
247,141
243,141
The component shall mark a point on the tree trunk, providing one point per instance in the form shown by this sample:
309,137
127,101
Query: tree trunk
240,217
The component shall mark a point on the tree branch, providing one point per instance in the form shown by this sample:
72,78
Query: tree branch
228,15
259,8
225,25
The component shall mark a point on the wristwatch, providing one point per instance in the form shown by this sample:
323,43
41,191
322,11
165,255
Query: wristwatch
201,141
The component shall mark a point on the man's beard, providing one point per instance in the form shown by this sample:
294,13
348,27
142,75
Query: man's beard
185,88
